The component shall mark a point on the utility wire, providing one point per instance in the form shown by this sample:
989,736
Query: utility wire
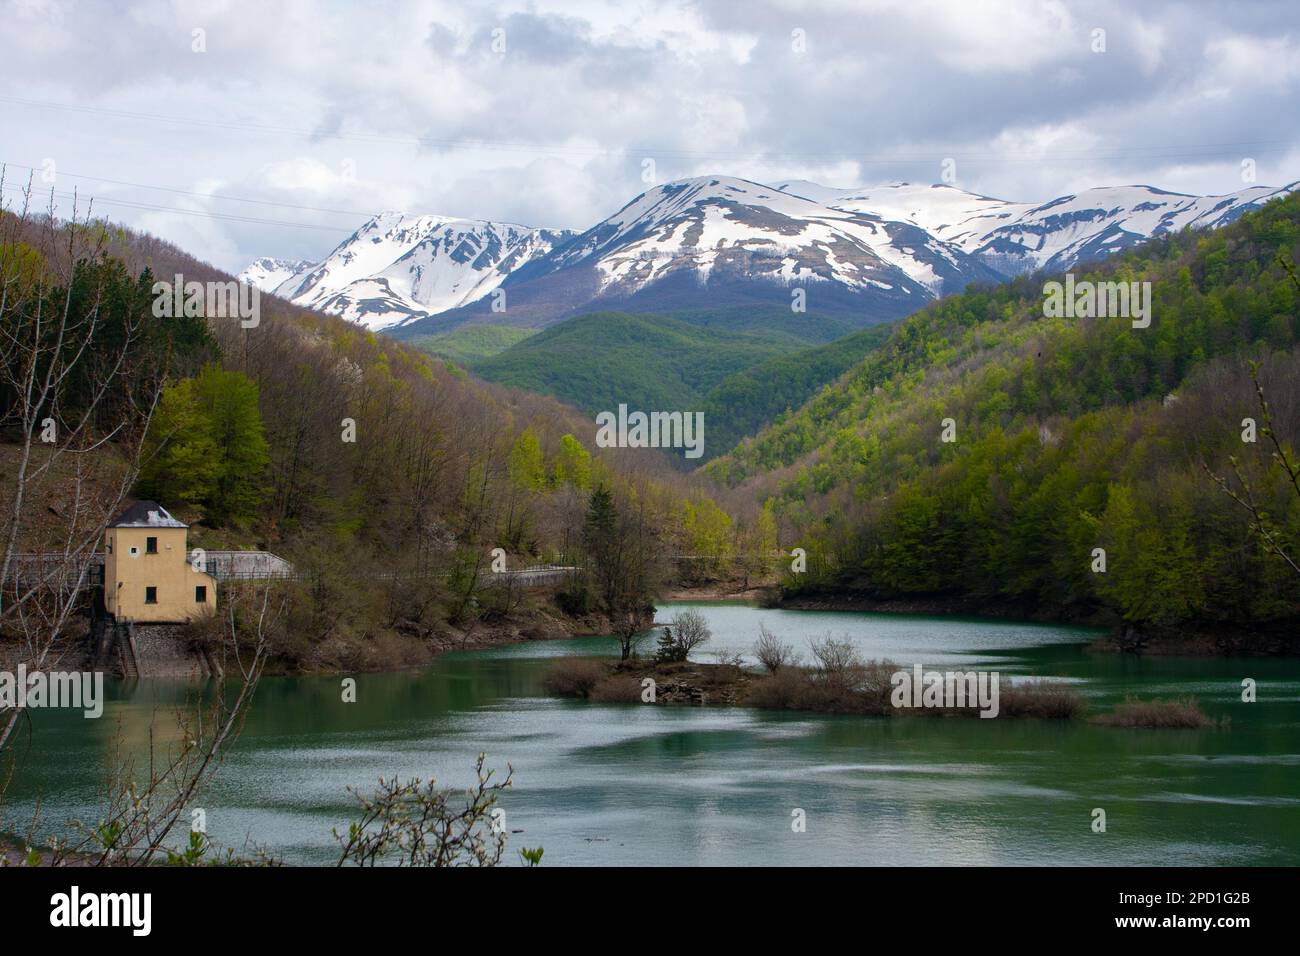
1190,151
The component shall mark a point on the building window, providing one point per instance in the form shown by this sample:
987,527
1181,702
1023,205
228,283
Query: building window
201,594
150,545
150,595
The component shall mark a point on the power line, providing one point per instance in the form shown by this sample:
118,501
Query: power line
187,192
222,217
1171,151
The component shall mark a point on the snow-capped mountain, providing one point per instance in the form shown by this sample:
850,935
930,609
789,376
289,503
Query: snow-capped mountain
397,267
717,241
267,273
1017,237
870,253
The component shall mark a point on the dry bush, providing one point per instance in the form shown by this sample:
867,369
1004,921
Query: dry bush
842,684
575,676
616,689
835,697
1046,699
784,689
772,652
839,669
876,685
1176,714
421,823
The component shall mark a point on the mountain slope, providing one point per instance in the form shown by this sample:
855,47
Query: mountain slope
396,267
719,241
267,273
744,403
650,363
1018,237
472,343
1068,435
860,255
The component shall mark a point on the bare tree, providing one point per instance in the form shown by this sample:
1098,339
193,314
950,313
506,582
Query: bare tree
1282,459
686,631
144,802
417,823
50,347
772,652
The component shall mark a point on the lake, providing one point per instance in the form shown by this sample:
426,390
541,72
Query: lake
636,784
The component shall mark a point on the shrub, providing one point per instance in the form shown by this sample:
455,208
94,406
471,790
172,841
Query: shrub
1052,701
772,652
843,684
876,685
838,665
1162,714
575,676
783,689
616,689
574,602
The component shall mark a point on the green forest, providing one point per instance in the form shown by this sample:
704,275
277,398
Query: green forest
1068,436
741,380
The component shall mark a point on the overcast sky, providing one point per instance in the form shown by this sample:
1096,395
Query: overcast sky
544,113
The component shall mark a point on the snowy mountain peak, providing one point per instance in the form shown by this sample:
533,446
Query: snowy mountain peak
267,273
397,267
873,251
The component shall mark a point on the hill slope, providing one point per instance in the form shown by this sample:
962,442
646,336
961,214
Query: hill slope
743,403
1069,435
650,363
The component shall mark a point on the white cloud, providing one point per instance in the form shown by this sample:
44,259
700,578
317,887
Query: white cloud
356,108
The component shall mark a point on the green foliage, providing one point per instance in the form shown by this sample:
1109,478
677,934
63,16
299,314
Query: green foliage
206,446
743,403
472,343
192,855
651,363
532,856
111,335
572,465
1071,435
527,466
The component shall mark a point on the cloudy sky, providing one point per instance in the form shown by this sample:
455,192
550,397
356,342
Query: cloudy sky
239,129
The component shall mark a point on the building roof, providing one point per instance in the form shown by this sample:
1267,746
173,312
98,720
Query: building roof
146,514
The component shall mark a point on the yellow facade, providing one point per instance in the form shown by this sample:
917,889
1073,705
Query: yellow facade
148,575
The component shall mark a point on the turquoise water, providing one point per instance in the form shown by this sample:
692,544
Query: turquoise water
633,784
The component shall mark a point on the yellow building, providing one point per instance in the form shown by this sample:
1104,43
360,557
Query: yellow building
149,577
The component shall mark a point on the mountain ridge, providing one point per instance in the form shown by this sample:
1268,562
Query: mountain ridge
869,253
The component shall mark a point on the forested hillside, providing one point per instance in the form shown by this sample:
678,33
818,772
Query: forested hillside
655,363
472,343
1069,435
697,362
386,475
743,403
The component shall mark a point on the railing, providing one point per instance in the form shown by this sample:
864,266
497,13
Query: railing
46,568
28,568
246,566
